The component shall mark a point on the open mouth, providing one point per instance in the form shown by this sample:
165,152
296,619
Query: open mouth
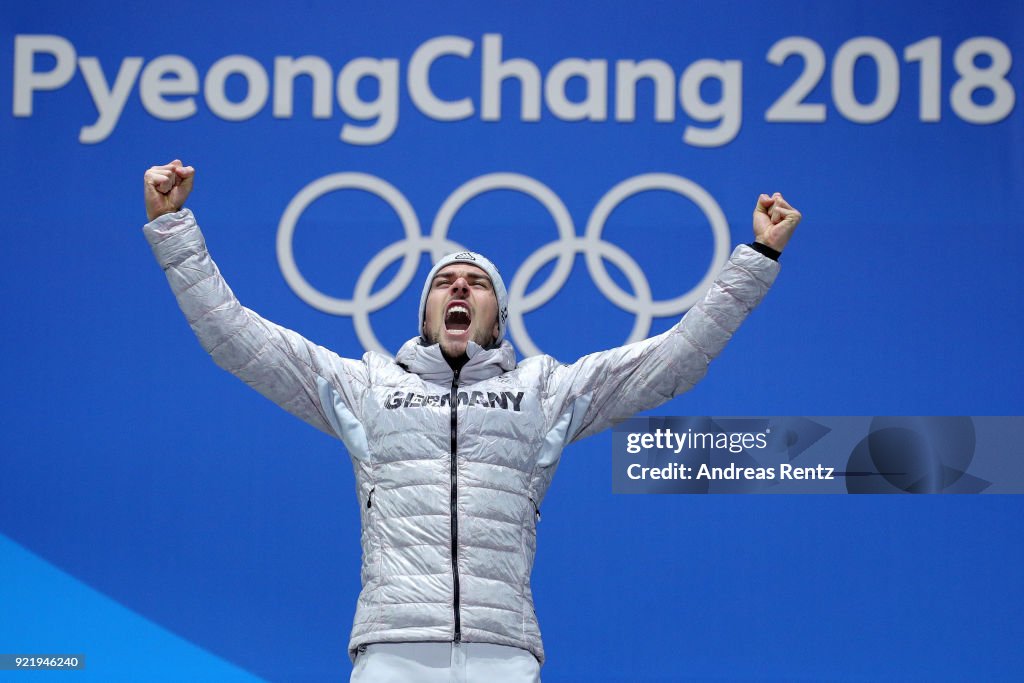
457,318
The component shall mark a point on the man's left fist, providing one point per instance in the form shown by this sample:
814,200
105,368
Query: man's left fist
774,221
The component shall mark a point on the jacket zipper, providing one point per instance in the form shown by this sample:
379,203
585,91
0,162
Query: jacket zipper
536,509
454,405
369,498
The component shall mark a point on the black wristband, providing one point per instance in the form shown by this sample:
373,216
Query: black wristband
765,250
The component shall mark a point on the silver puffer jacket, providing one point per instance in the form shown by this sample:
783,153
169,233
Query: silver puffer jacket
450,468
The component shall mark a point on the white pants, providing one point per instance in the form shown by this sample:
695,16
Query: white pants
445,663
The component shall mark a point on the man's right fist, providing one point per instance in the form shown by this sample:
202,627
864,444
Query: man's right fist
167,187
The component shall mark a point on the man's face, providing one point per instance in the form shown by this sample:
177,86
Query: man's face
461,307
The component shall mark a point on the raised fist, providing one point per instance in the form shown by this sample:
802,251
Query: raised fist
167,187
774,221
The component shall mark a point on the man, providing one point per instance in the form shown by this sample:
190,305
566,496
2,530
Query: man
452,442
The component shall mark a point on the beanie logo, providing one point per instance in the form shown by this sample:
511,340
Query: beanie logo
464,256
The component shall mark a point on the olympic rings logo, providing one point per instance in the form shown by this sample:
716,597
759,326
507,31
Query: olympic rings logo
591,244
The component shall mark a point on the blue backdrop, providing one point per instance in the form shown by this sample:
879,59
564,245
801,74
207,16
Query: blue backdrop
161,518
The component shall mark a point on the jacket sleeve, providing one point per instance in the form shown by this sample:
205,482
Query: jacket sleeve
277,362
604,388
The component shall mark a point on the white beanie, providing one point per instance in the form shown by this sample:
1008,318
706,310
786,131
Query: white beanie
484,264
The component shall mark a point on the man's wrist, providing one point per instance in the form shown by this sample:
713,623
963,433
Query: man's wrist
765,250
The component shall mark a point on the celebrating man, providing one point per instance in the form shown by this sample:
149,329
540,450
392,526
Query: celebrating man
452,442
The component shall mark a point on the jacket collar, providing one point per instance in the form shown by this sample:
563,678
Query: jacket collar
428,363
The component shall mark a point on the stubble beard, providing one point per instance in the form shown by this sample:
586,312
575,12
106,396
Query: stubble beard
482,337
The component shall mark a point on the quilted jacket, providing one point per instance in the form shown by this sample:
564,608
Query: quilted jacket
450,467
